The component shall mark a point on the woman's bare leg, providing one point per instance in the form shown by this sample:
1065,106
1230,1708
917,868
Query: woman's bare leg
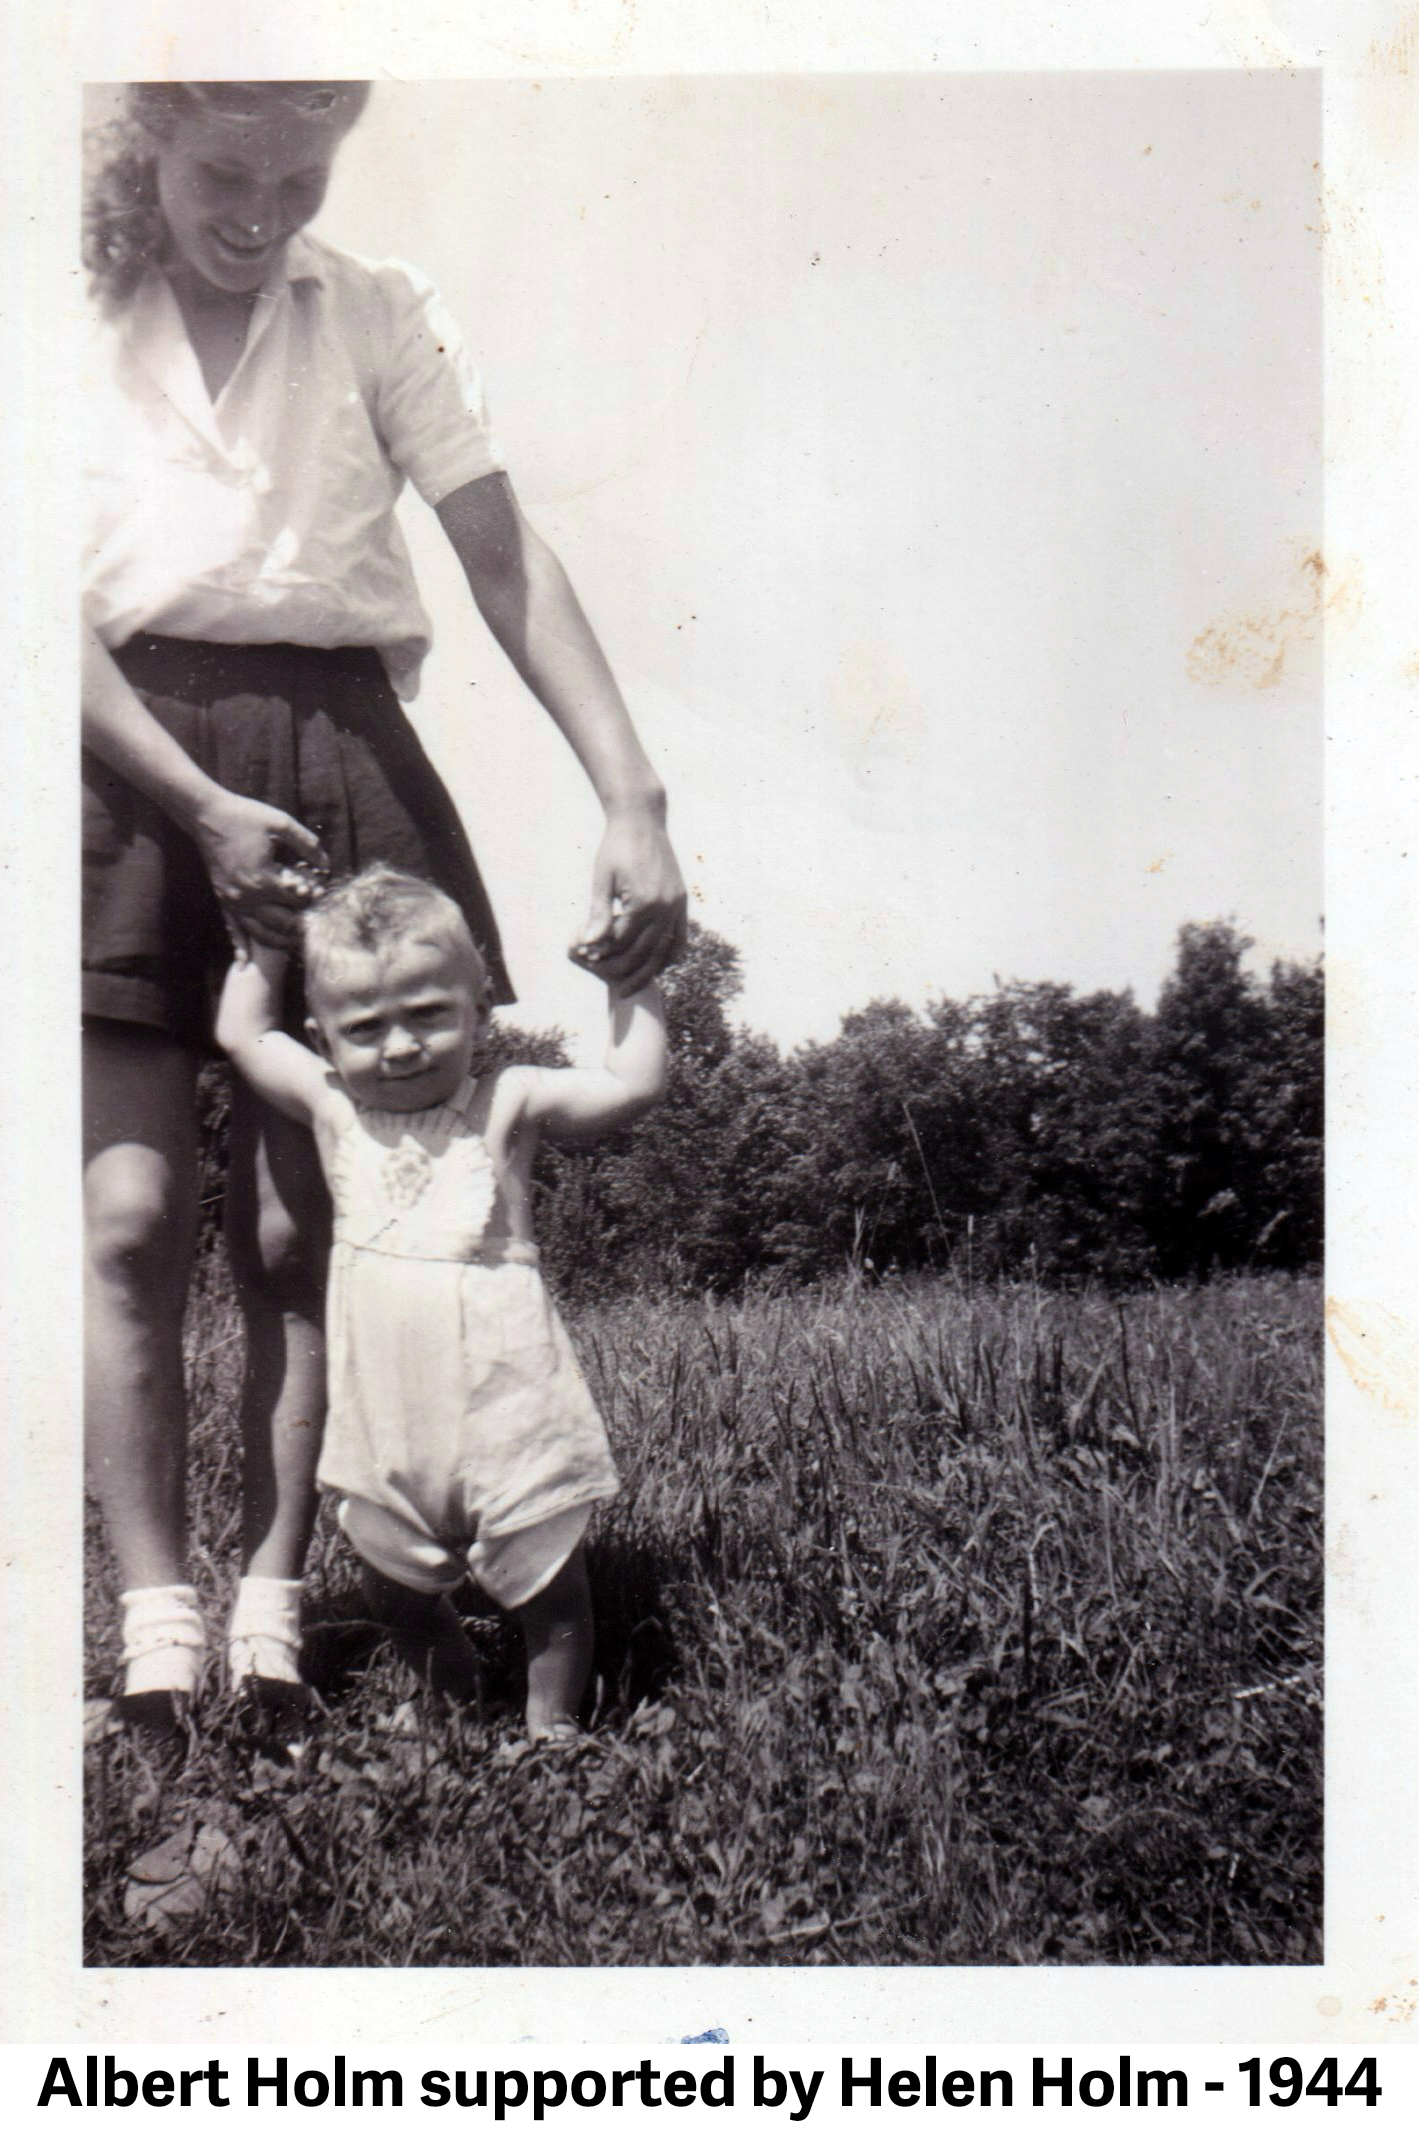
140,1196
278,1231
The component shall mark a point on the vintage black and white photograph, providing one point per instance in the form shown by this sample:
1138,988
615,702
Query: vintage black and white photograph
746,706
703,736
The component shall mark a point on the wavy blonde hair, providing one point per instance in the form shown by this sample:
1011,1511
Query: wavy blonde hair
124,232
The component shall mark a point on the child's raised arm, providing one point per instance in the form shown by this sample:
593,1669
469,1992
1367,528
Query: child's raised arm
590,1103
291,1077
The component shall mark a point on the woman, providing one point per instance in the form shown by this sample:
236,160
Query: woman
259,399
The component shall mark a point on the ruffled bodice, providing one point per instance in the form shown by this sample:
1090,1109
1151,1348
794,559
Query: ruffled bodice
418,1185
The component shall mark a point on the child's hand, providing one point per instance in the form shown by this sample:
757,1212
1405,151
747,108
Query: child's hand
588,957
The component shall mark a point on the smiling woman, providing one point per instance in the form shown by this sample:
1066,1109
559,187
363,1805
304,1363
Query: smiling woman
257,401
252,158
233,187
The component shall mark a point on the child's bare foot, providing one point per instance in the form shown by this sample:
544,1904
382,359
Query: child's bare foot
429,1637
557,1628
555,1731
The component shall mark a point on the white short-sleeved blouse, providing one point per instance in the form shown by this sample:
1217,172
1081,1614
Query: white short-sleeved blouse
268,515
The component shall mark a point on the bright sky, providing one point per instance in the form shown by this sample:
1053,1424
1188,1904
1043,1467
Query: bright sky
938,459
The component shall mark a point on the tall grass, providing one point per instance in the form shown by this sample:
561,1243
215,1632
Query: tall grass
932,1628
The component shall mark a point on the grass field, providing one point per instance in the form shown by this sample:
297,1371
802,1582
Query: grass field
933,1628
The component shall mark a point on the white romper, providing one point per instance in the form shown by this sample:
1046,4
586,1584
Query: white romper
460,1427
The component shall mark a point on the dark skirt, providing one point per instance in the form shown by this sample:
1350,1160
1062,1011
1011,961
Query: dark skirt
318,733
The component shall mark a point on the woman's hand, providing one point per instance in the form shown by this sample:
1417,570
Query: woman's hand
636,926
263,865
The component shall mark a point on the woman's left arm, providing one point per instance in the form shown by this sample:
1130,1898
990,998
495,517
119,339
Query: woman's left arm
532,611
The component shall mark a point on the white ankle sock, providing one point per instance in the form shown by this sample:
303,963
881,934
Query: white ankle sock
264,1638
163,1639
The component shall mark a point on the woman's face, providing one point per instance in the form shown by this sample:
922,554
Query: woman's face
234,191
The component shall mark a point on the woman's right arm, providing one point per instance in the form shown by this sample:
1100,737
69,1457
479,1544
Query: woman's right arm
240,839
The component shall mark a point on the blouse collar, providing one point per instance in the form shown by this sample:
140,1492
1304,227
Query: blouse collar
157,336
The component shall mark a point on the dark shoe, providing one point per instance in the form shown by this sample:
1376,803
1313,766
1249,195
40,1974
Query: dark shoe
155,1733
277,1715
157,1723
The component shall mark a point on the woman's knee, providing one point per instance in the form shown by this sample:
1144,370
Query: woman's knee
140,1223
140,1163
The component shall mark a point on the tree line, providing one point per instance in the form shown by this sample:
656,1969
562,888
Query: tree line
1031,1131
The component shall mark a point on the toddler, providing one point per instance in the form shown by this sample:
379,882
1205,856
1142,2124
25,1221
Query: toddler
460,1435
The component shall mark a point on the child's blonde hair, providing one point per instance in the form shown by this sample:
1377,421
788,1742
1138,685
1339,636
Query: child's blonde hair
380,907
124,231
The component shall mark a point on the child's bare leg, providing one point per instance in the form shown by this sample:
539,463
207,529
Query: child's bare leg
427,1633
558,1628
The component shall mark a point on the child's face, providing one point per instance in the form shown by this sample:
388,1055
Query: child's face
399,1025
233,192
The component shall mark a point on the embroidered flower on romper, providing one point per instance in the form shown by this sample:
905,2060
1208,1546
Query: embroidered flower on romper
407,1172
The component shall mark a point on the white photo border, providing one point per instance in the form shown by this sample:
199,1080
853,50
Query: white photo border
1371,177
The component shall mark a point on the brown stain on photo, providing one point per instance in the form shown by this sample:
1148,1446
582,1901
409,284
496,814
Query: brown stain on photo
1398,54
1354,260
1340,1561
1379,1352
1401,2005
1248,32
1386,91
1252,646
